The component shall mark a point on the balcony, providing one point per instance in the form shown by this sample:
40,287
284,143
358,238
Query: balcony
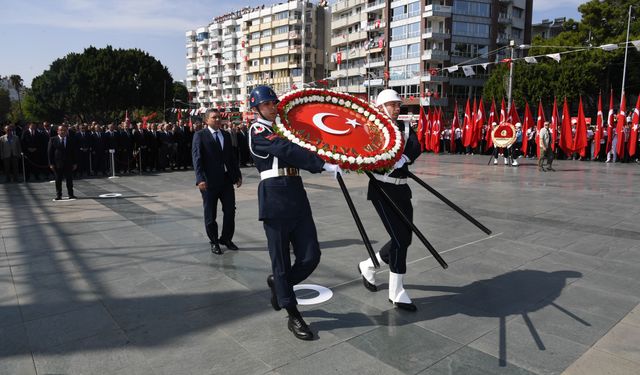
375,5
378,82
375,63
435,55
431,101
434,78
376,25
190,44
191,55
228,73
437,34
504,18
441,11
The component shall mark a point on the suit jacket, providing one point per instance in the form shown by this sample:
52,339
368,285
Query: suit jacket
10,149
209,161
59,155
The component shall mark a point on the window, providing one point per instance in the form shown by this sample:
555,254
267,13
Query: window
266,47
478,30
517,12
413,70
398,33
255,62
468,50
413,30
398,13
255,35
281,29
471,8
297,72
282,15
255,49
516,33
397,73
266,32
413,51
282,59
281,44
399,53
413,9
266,19
266,60
202,36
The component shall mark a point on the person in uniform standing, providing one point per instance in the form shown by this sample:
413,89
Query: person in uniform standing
10,151
394,252
283,207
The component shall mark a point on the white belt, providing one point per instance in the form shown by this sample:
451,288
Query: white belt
270,173
390,180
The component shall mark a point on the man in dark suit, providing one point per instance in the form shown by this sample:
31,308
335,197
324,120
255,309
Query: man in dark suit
84,144
62,160
30,148
216,171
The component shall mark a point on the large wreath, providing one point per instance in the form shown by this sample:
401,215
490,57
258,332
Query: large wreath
355,135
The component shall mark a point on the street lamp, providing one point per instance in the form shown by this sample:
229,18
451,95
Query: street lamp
512,46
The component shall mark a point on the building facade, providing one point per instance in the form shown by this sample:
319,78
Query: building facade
405,44
255,46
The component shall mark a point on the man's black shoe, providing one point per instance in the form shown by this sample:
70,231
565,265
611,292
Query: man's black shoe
57,198
274,299
370,287
550,169
230,245
404,306
72,197
299,328
215,248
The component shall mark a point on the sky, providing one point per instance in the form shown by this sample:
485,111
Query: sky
34,33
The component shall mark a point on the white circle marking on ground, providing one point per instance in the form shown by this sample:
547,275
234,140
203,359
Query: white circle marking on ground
324,294
110,195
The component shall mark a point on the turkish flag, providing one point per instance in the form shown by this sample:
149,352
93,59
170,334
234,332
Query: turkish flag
580,140
622,118
427,133
190,124
479,124
528,123
566,136
179,115
492,119
539,126
339,58
599,128
474,115
503,113
467,131
513,117
422,124
455,123
635,119
611,118
553,127
435,132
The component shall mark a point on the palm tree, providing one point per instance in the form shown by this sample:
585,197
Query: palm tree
17,83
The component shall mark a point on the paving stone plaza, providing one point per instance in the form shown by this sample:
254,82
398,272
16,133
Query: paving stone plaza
128,285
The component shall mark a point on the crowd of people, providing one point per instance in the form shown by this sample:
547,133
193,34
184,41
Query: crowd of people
136,148
604,153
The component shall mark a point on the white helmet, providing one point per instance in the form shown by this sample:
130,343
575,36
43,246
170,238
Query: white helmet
387,96
518,125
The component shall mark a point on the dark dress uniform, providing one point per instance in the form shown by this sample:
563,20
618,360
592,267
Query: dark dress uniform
284,209
394,252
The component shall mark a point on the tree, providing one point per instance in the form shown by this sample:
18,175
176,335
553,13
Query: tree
101,84
17,83
180,92
5,105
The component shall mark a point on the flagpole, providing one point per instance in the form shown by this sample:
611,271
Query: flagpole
511,45
626,50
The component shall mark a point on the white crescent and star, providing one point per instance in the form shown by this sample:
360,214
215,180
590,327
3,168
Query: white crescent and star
319,123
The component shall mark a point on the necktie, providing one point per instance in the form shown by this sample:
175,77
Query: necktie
215,137
64,142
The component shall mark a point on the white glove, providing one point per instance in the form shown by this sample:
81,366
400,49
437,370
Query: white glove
332,168
400,162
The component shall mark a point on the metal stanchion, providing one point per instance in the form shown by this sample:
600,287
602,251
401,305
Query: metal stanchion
90,164
113,164
24,170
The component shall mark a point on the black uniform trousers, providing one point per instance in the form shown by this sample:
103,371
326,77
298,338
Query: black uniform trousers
67,173
394,252
227,197
301,233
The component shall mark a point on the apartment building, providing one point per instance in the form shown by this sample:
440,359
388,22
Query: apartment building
405,44
214,67
285,45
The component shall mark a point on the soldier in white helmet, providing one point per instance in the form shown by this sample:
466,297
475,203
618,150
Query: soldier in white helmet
394,183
